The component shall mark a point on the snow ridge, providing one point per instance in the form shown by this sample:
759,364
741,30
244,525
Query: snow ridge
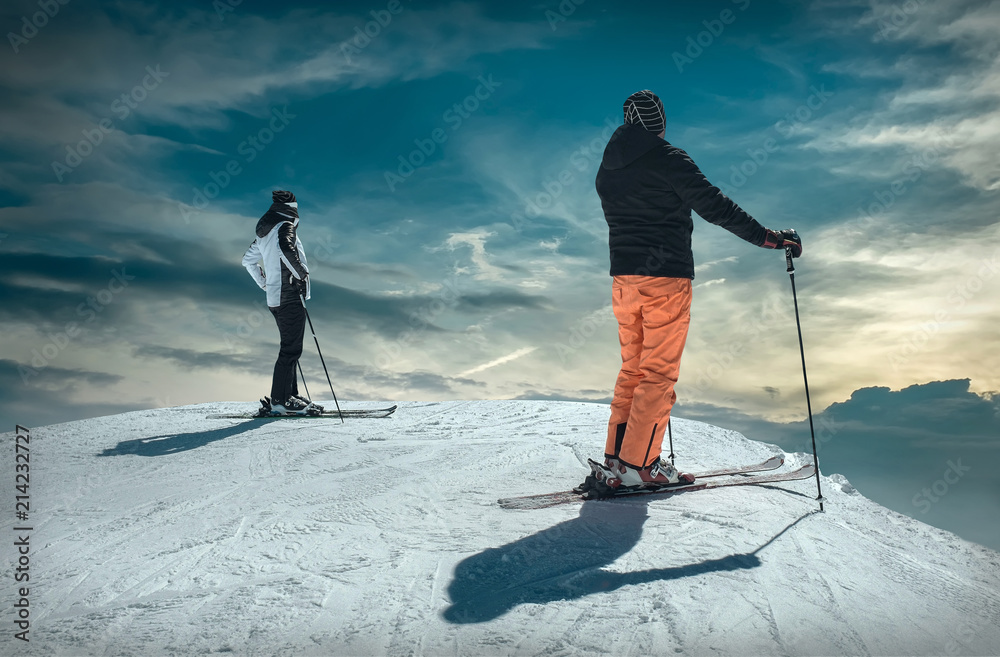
163,532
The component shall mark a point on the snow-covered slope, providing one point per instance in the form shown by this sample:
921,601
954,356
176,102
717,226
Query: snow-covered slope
163,532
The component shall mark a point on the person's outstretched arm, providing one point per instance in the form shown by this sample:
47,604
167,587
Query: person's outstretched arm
708,200
712,205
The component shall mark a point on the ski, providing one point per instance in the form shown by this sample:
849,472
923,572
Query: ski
772,463
546,500
353,413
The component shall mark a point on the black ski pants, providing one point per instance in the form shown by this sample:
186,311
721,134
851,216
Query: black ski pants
291,319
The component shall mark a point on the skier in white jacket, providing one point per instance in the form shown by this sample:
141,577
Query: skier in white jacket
277,262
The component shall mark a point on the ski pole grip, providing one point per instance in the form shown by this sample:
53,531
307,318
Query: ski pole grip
788,259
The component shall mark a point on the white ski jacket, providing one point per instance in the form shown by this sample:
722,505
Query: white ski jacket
266,255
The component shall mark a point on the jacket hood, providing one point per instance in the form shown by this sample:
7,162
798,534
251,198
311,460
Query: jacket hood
277,213
628,144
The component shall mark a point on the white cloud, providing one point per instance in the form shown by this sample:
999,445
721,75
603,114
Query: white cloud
950,103
550,182
498,361
210,67
714,281
476,241
705,266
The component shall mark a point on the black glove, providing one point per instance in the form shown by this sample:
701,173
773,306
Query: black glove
299,283
783,238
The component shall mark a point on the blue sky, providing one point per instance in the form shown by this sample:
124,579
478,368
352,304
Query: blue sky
444,167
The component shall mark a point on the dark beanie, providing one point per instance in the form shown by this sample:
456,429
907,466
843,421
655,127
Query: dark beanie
280,196
644,108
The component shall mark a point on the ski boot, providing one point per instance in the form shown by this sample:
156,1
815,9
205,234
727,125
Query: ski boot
613,477
292,406
314,408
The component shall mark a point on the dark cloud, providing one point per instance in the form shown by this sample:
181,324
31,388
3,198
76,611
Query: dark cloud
342,372
192,271
940,411
502,300
895,446
48,377
359,268
11,198
41,395
412,384
60,289
587,396
191,359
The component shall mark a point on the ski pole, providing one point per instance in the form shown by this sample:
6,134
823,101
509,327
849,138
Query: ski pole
670,432
302,377
802,351
308,319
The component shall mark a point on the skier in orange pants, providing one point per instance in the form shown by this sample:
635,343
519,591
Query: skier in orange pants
653,314
648,188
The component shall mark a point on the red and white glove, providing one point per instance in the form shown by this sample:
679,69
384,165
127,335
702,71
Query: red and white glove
783,238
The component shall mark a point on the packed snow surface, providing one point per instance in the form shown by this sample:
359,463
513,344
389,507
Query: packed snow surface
164,532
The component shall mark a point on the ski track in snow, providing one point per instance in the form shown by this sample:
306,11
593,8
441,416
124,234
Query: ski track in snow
165,533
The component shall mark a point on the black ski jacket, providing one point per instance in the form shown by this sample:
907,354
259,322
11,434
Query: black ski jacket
648,188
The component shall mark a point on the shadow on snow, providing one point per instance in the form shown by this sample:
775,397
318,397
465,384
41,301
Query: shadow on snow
172,443
565,562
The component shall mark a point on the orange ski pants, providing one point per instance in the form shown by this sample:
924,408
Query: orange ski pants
653,314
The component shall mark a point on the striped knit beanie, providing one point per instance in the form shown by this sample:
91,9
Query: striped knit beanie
644,108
